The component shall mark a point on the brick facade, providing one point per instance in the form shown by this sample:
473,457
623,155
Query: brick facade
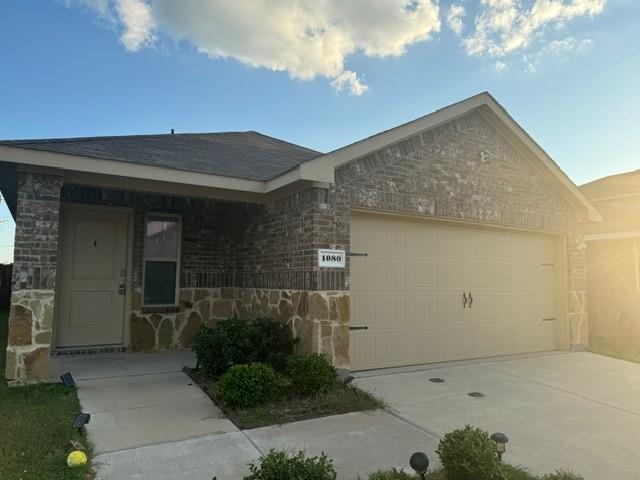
465,170
245,260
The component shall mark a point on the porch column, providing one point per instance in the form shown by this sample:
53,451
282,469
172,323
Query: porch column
577,273
34,276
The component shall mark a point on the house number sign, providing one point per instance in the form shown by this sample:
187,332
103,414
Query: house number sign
331,258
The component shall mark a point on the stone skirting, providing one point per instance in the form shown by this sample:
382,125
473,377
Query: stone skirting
319,319
30,330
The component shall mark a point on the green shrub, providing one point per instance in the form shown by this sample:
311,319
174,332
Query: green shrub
469,453
400,475
236,342
278,465
562,475
391,475
510,472
247,386
310,374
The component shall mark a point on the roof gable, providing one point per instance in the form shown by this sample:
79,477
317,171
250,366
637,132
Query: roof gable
484,103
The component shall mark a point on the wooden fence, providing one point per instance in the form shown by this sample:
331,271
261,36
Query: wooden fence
5,286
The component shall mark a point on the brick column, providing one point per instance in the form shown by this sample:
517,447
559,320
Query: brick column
34,276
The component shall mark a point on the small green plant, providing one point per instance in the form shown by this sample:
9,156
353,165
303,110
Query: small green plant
310,374
236,342
510,472
562,475
391,475
278,465
247,386
469,453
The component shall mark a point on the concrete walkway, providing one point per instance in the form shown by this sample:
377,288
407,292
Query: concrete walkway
141,399
358,443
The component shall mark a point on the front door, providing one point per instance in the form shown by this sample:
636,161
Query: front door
93,276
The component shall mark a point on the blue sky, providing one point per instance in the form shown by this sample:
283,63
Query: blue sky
323,76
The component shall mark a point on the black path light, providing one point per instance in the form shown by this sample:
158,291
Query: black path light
500,440
81,420
67,379
420,463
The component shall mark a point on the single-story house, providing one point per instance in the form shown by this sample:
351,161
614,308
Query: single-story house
453,236
613,256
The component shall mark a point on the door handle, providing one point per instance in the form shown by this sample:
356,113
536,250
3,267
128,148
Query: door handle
470,300
464,300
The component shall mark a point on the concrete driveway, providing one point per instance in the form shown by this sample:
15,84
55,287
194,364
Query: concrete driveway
578,411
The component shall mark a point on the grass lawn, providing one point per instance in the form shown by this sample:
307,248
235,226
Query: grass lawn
36,428
291,407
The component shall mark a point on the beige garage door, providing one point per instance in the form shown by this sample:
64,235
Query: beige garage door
429,292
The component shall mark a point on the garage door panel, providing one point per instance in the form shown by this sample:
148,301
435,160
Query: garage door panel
494,340
408,291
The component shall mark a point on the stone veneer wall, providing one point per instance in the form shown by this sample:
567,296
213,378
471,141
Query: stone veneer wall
466,170
34,276
319,319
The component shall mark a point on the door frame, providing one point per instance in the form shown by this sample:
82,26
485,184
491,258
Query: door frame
561,257
64,208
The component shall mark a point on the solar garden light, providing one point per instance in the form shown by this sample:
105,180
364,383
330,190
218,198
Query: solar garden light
420,463
81,420
67,379
500,439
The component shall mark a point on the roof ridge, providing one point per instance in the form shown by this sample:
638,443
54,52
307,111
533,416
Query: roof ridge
113,137
607,177
285,141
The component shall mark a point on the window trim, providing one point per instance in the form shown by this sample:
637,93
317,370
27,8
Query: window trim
176,260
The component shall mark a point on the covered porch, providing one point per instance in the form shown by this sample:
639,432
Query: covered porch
107,264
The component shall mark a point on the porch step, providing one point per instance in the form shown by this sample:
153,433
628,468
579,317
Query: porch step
59,352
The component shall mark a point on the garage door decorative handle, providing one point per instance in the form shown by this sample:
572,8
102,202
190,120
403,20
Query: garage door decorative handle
464,300
470,300
359,327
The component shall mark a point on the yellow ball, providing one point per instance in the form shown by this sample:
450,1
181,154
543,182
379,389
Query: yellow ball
77,458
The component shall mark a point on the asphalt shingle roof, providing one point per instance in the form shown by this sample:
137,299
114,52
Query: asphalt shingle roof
614,185
248,155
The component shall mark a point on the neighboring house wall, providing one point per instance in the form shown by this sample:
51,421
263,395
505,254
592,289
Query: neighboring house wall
614,297
613,264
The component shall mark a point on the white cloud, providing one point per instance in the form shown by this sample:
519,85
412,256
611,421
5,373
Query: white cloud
499,66
350,81
454,18
138,23
569,45
506,26
306,38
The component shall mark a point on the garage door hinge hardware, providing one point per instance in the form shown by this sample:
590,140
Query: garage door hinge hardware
476,394
547,264
436,380
359,327
358,254
550,319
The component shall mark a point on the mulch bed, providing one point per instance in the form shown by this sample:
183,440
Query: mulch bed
291,407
